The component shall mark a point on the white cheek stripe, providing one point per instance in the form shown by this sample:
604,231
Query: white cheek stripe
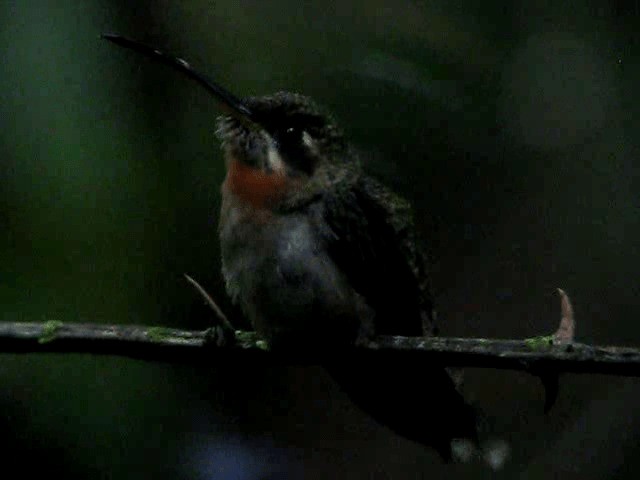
276,163
309,142
275,160
306,138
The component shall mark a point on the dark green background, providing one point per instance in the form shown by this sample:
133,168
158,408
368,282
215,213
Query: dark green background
513,128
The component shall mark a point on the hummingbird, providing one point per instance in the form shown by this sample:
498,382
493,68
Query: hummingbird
321,256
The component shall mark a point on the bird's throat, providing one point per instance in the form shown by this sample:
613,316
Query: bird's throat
254,186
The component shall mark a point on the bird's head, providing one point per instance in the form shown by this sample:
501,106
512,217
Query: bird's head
280,149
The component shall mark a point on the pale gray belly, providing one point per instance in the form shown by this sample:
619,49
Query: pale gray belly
285,282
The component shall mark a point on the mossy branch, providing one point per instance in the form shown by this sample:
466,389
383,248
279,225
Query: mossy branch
159,343
543,356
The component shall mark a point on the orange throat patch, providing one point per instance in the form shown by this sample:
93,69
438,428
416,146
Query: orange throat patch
257,188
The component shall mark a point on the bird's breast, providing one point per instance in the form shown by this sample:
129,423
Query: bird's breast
279,272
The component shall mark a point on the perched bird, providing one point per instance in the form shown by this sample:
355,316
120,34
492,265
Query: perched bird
315,249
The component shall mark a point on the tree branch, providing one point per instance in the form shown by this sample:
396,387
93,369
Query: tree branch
543,356
159,343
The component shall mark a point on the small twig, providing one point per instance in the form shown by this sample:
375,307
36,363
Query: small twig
209,301
563,336
566,330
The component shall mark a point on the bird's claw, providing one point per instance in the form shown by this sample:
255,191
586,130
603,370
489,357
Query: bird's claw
219,335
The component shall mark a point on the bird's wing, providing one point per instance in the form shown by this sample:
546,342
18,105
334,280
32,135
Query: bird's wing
370,235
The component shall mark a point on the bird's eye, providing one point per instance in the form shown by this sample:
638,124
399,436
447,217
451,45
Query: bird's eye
291,136
292,132
294,145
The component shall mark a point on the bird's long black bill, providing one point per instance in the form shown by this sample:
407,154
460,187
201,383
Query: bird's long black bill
228,102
